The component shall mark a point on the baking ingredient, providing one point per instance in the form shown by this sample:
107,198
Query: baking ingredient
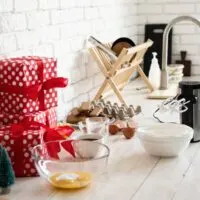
85,106
71,180
113,129
116,127
129,131
75,111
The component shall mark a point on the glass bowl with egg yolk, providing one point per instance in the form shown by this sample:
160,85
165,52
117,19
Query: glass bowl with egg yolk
70,164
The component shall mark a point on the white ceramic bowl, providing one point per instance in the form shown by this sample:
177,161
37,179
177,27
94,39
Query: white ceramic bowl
165,139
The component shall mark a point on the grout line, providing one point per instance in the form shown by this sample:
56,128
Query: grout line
143,182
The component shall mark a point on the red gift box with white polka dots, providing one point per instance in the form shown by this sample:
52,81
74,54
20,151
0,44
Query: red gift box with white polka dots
20,77
48,117
20,143
51,117
19,149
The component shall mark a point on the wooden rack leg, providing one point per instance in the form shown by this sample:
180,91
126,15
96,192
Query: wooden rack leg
117,92
146,80
101,90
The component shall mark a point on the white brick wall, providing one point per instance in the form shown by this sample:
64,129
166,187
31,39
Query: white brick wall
186,35
59,28
6,5
12,22
37,19
24,5
48,4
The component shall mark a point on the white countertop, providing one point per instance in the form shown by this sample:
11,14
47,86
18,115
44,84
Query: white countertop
132,174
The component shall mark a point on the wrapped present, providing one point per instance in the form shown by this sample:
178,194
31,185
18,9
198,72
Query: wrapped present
51,117
27,84
19,139
47,117
19,149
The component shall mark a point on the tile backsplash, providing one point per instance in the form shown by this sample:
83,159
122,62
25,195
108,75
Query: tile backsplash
185,34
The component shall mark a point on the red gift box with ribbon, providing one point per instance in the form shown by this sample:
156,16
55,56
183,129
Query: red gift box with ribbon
19,139
27,84
47,117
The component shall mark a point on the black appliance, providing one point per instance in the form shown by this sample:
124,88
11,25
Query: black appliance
155,33
190,90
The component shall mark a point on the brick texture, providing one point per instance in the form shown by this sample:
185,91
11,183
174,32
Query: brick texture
6,5
186,34
59,28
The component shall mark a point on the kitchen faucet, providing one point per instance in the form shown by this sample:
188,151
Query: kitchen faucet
164,74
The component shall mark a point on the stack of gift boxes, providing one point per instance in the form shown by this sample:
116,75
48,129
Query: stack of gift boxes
27,93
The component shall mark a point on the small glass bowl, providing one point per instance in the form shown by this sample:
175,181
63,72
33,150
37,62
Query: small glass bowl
70,164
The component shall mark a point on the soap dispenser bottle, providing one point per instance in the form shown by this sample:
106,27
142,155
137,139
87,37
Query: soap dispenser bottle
154,73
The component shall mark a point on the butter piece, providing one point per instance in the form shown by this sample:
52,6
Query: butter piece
67,177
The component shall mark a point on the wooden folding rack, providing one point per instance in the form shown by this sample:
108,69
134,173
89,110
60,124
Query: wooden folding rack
117,74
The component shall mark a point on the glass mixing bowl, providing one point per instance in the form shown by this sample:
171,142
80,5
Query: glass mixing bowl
70,164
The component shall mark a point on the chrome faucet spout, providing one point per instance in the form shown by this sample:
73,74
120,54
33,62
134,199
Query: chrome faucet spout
164,74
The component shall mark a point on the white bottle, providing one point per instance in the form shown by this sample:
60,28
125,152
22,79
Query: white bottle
154,73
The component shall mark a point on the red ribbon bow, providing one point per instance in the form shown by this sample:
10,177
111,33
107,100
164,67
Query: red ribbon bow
36,91
26,124
51,134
